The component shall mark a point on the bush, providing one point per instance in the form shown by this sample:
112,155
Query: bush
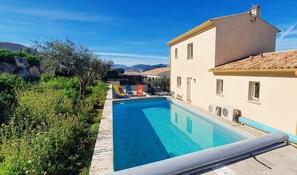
9,84
8,57
35,105
32,60
50,129
54,147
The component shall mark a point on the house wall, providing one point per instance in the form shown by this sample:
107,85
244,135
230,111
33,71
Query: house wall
235,37
277,103
238,37
197,68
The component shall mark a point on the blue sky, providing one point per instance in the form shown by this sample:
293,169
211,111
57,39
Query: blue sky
131,31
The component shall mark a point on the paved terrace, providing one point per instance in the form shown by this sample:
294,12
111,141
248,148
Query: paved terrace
278,161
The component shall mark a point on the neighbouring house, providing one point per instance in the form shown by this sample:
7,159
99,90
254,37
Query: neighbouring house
158,72
230,63
155,73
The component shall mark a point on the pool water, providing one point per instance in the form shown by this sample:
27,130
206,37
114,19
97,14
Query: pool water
145,131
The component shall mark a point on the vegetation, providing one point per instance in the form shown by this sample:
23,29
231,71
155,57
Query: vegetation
49,129
162,83
77,59
8,57
50,126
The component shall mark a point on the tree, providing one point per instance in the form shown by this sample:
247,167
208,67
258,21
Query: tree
162,83
81,61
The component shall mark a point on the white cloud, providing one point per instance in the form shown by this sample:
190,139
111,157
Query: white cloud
287,39
132,59
288,32
61,15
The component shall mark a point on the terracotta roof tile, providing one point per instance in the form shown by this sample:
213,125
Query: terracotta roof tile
156,71
271,60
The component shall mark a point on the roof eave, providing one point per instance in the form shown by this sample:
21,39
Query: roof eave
258,72
199,29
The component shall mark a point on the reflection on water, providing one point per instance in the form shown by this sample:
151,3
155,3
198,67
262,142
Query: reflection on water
204,133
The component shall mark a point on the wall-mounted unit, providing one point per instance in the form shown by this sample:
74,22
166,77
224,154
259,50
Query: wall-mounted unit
215,109
172,93
231,113
180,97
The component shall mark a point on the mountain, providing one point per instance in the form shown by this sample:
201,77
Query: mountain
12,46
117,66
140,67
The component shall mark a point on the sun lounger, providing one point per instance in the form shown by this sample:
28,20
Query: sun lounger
117,89
116,95
139,90
129,90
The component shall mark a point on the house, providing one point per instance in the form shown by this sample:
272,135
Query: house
157,73
230,62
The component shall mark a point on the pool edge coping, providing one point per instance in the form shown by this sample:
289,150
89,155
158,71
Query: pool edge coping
102,159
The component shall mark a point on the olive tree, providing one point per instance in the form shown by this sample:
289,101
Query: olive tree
163,83
77,59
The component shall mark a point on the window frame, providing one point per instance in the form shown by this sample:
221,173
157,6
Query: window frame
254,91
178,81
190,51
220,87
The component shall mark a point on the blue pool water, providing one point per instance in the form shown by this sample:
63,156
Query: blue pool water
150,130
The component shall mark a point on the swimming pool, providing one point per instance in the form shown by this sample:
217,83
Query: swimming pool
150,130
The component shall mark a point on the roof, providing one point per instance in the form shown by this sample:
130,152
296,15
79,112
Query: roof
284,61
198,29
206,26
156,71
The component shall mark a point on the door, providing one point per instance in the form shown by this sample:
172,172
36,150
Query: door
189,89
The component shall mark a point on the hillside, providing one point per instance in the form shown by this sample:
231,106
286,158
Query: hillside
139,67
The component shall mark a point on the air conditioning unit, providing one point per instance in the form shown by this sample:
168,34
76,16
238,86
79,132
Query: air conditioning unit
231,113
180,97
215,109
172,93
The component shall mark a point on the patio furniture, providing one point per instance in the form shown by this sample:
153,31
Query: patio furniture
129,90
139,90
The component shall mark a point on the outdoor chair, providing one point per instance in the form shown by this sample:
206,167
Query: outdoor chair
117,95
139,90
129,90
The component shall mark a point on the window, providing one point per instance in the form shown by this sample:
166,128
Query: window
178,81
175,53
190,51
254,91
220,87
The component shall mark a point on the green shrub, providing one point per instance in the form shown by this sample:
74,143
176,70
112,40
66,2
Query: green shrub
55,147
45,77
32,60
35,105
8,57
51,130
9,84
